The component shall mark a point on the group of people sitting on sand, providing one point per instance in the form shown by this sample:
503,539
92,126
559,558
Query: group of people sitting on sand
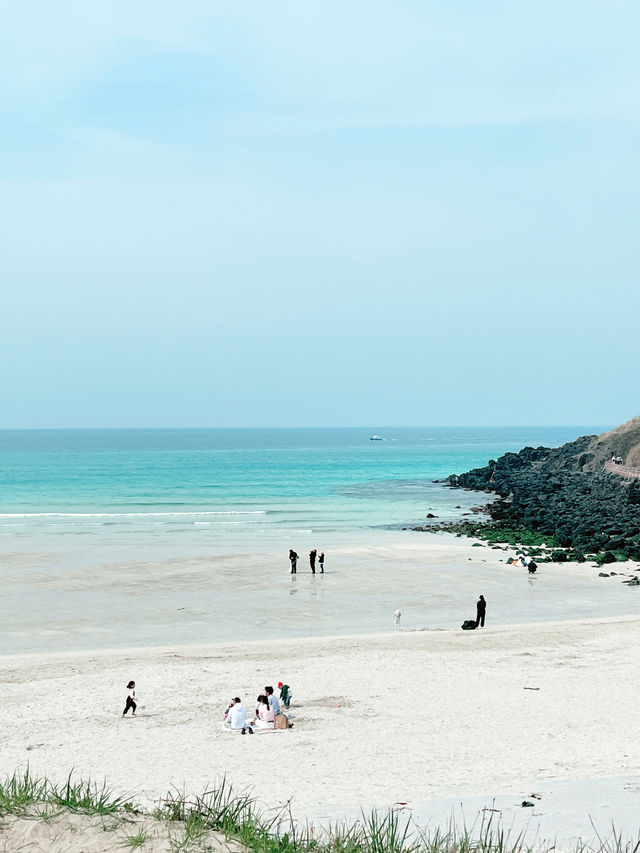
268,713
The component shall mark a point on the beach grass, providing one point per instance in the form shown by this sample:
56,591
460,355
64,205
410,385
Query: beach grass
87,798
192,821
137,840
21,793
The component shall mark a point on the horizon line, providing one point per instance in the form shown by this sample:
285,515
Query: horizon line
364,427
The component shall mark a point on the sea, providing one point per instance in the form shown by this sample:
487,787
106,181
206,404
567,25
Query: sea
132,537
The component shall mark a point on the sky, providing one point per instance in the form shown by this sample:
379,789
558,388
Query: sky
413,212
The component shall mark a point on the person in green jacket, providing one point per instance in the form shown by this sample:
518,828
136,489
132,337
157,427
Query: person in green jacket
285,694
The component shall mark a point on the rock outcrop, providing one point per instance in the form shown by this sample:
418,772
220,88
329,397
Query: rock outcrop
564,493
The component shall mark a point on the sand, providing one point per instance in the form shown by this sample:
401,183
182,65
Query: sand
191,596
423,718
77,833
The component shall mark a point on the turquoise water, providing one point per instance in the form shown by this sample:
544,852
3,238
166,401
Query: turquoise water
324,479
153,537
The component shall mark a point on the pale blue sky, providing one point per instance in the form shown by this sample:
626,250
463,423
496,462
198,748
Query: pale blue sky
331,213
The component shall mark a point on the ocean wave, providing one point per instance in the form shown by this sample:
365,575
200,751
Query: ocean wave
129,514
211,523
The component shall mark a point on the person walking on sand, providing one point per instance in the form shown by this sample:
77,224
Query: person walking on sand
312,560
481,609
321,561
131,699
293,557
396,617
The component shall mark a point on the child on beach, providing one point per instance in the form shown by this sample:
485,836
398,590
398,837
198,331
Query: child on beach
285,694
321,561
131,699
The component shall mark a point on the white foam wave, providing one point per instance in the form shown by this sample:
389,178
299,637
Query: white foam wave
211,523
130,514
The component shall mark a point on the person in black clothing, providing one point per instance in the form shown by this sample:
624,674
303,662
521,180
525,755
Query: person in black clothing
131,699
321,561
481,609
294,561
312,560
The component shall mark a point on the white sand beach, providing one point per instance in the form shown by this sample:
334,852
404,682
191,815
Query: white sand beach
426,719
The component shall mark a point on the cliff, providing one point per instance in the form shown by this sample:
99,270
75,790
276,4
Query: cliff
566,494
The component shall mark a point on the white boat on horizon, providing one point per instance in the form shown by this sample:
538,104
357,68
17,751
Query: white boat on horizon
375,438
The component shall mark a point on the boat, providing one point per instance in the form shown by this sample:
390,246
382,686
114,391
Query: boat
375,438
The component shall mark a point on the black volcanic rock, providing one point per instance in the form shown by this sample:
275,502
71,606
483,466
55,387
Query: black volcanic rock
565,494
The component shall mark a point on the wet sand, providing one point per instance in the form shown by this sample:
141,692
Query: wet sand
191,595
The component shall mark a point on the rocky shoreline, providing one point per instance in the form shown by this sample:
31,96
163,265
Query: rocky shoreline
560,503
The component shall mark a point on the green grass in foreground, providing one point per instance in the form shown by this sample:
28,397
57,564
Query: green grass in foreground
20,793
237,817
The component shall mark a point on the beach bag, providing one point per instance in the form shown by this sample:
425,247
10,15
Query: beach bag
281,721
468,624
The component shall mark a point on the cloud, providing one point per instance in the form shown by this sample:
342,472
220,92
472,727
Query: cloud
317,65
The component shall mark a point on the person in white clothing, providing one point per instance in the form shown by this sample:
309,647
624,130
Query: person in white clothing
397,616
236,716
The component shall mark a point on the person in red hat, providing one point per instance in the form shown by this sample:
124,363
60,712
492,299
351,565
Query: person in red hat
285,694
